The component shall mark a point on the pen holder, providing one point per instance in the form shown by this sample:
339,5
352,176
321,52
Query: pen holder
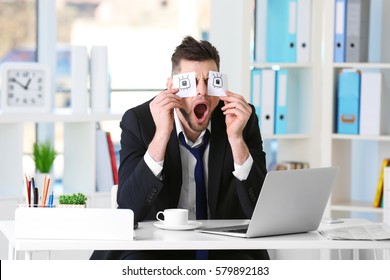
37,206
72,205
74,223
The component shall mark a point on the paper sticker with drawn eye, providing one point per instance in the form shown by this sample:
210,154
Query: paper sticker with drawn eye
186,83
217,84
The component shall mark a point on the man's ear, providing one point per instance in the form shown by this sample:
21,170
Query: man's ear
169,83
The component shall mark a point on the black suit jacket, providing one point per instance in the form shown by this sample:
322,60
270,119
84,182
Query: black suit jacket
141,191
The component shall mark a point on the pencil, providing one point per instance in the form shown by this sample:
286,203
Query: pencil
29,192
47,184
43,191
33,191
26,182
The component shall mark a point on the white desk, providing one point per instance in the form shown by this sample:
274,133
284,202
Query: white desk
148,237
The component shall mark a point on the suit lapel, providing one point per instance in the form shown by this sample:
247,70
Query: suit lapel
172,163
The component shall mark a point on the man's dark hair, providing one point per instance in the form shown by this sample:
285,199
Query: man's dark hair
191,49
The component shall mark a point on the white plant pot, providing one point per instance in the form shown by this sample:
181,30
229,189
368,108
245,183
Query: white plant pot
72,205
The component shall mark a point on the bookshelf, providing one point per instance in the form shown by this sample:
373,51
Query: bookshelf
79,136
358,156
304,143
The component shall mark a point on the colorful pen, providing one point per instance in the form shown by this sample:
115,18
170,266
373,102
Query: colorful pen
36,196
51,198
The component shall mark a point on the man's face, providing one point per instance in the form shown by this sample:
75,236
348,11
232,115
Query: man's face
197,110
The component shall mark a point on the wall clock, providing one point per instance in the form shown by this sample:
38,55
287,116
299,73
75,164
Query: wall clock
25,87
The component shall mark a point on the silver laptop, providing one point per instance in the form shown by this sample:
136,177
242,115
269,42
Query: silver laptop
291,201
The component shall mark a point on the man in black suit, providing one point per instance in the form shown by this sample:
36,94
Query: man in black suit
156,170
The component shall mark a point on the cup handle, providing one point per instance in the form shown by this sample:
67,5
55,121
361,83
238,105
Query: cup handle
158,214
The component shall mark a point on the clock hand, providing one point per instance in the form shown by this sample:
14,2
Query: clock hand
19,83
28,82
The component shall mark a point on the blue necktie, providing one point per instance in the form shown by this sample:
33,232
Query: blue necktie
201,198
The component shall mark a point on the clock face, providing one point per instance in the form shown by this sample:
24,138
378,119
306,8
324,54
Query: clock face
25,88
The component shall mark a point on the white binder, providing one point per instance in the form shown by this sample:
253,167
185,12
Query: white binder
256,91
79,76
267,102
339,30
386,195
100,87
303,31
371,103
260,31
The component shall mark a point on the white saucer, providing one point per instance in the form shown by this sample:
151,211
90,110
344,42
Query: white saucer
190,225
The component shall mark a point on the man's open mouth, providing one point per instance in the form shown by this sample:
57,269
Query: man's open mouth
200,111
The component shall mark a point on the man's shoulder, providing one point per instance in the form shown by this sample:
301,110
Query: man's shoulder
139,110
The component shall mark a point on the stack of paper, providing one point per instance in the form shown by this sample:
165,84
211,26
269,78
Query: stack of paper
372,231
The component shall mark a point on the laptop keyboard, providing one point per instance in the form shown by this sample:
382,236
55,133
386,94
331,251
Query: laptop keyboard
238,230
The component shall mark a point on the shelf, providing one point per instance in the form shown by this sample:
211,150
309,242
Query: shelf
367,65
286,137
59,115
277,65
355,207
384,138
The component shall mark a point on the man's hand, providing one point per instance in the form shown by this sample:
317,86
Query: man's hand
162,108
237,112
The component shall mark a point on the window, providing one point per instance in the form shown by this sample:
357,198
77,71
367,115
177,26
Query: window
18,36
140,36
19,43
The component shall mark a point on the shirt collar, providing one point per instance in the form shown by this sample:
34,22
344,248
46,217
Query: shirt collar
179,128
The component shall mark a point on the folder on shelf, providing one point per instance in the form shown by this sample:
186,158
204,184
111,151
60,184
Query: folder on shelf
260,31
112,158
303,30
267,101
256,91
357,19
79,77
340,30
348,101
379,188
104,175
371,103
281,30
290,165
281,96
386,195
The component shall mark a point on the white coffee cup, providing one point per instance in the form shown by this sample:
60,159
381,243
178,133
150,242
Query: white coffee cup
173,217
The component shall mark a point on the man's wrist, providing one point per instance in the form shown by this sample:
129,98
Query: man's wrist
155,166
239,149
241,172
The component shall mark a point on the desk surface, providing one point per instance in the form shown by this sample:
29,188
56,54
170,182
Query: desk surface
148,237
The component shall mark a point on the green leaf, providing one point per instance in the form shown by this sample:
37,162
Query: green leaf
43,156
76,198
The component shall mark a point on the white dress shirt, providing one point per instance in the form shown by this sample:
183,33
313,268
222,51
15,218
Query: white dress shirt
188,189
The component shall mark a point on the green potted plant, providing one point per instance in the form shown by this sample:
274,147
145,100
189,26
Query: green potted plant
44,155
76,200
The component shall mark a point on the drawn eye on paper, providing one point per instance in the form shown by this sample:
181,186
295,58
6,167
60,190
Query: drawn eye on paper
184,83
217,84
217,81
